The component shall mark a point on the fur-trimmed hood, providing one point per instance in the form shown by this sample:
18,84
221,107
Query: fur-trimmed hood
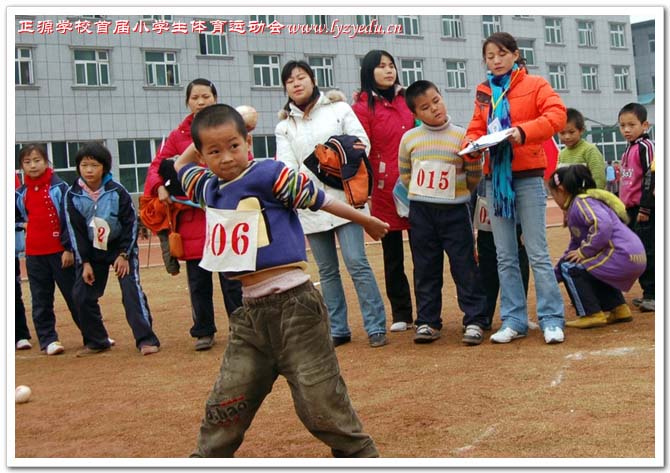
332,96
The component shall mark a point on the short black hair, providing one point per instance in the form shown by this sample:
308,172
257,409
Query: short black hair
29,148
575,179
216,115
95,151
576,118
635,108
417,89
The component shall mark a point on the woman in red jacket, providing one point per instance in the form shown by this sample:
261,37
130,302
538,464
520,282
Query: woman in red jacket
191,224
380,107
512,99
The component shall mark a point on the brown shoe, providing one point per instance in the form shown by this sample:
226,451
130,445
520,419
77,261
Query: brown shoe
88,351
149,349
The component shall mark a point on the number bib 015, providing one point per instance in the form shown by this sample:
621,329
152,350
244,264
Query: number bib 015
232,240
100,233
433,179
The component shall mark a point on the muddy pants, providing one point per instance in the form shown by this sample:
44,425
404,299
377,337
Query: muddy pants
288,334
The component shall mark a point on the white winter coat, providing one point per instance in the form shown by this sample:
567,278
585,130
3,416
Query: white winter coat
298,135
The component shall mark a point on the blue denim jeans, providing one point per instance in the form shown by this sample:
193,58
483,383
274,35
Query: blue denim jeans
352,246
531,205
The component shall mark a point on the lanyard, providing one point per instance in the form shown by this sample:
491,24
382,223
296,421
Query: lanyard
497,102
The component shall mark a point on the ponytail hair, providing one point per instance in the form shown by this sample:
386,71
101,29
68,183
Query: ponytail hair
575,179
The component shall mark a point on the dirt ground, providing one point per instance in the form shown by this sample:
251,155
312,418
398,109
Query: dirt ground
592,396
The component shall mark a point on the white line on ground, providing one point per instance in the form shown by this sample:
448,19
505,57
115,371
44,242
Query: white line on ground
490,430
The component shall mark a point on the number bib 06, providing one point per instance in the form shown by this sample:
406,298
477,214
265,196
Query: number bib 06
433,179
100,233
232,240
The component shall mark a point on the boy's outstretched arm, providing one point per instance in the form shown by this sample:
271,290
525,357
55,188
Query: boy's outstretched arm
372,225
188,156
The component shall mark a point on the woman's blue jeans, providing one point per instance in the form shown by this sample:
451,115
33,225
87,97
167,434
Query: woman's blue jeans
531,205
352,246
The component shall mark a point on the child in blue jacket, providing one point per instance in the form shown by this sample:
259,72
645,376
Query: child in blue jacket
102,223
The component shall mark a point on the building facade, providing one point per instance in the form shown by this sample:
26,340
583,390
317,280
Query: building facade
122,79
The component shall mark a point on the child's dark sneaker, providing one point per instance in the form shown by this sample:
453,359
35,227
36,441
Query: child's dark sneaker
377,340
473,335
648,305
88,351
204,343
426,334
337,341
149,349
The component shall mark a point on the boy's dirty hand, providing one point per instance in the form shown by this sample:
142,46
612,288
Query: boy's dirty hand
376,228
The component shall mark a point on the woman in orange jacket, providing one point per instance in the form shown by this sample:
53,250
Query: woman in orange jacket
512,99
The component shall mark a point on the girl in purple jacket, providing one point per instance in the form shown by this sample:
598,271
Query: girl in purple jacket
604,256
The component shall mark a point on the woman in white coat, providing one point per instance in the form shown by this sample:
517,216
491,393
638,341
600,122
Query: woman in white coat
309,118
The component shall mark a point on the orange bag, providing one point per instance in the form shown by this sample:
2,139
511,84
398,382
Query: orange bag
174,239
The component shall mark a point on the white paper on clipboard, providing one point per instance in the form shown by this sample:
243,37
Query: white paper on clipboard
486,141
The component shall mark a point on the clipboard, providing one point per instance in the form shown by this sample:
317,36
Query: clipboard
486,141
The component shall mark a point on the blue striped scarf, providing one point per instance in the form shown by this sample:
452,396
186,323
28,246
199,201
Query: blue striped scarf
501,154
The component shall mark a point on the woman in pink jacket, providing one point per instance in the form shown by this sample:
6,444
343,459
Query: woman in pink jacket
380,107
191,224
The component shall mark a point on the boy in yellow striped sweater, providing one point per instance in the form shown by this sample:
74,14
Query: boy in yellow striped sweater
440,184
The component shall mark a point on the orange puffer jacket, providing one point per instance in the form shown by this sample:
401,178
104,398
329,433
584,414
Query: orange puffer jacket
535,108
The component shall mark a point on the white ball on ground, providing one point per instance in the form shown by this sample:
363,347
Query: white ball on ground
250,116
22,394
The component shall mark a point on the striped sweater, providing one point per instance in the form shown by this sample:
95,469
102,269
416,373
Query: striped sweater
431,168
266,185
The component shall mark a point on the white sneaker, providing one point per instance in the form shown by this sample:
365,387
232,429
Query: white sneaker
506,335
553,335
55,348
23,344
400,326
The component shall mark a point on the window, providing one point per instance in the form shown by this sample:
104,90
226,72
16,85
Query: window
264,146
553,31
617,35
267,19
589,78
526,48
586,35
91,67
609,141
364,20
452,26
490,25
266,71
456,75
323,71
410,25
316,20
621,81
23,66
652,42
162,68
157,17
557,77
213,44
134,160
412,70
